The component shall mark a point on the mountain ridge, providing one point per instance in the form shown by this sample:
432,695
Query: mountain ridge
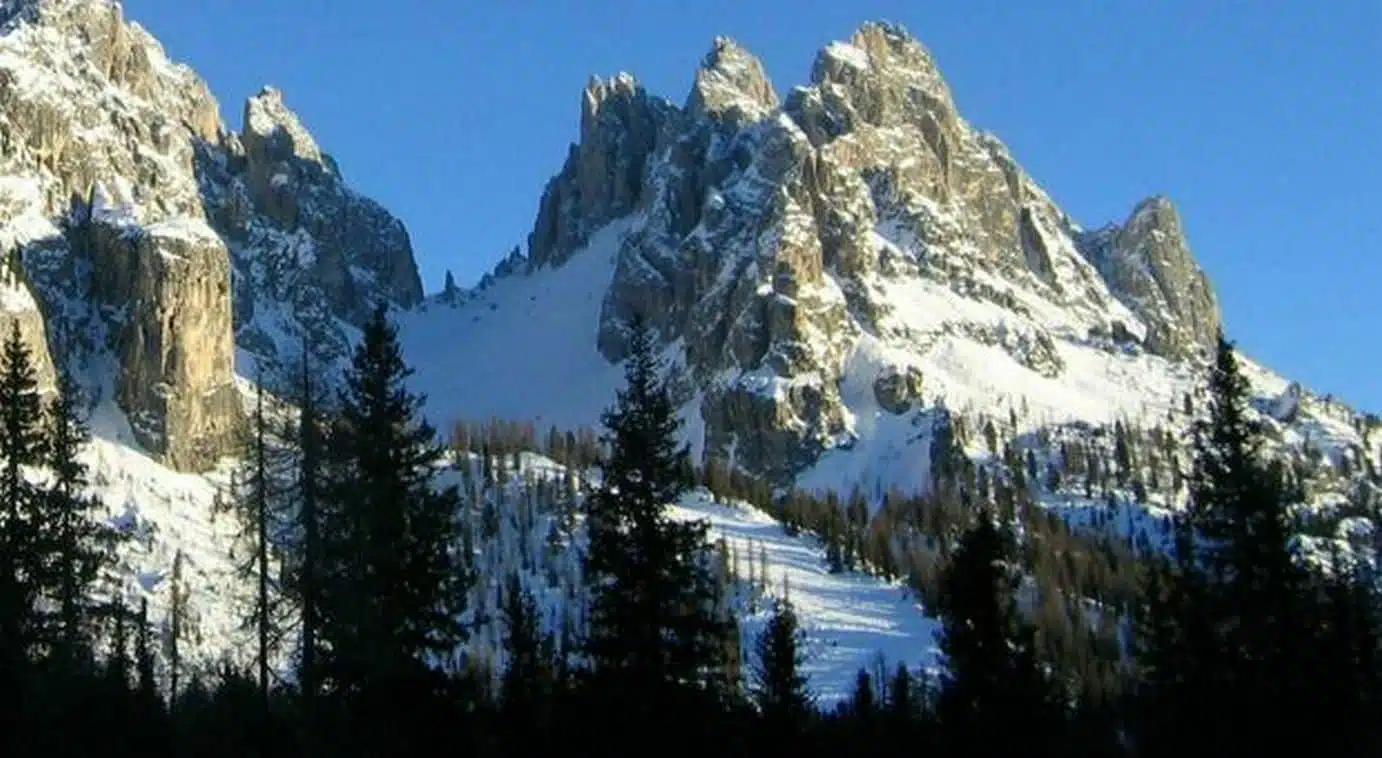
835,274
766,229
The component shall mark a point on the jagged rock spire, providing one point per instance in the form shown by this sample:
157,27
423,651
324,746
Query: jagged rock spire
731,84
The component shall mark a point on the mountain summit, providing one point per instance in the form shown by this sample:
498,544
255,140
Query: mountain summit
154,238
821,264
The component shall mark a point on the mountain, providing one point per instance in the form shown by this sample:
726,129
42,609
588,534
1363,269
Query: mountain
828,269
157,239
158,254
834,275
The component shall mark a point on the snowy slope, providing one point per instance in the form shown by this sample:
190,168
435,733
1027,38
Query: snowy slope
849,619
522,348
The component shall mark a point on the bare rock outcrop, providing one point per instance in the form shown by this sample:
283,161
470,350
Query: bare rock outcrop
176,347
769,239
605,172
1149,266
152,233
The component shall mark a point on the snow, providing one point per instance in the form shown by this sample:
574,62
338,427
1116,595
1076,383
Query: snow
848,619
266,114
848,54
16,298
169,512
21,205
114,206
523,348
185,229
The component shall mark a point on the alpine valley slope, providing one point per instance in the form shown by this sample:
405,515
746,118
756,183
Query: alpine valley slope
163,257
827,275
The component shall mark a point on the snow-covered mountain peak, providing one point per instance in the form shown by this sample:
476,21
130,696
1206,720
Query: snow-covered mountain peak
268,117
826,270
155,239
882,55
731,84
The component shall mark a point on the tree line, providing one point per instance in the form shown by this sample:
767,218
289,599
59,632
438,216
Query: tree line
359,568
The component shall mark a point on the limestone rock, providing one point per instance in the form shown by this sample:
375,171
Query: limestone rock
605,172
771,241
1149,266
137,210
898,389
731,85
176,347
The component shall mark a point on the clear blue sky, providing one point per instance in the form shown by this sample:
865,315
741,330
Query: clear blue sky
1260,118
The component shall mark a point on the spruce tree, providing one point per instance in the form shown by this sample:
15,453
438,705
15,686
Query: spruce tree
308,439
177,626
993,675
1257,592
652,618
779,686
21,549
526,685
393,582
77,543
1349,687
254,501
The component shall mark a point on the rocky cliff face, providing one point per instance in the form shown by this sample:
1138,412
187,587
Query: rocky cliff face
150,233
776,236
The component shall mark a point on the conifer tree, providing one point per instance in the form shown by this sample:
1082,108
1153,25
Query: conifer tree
1349,692
254,501
903,703
779,686
1257,592
177,626
864,701
21,445
393,581
993,676
118,661
78,545
652,621
307,462
144,655
526,685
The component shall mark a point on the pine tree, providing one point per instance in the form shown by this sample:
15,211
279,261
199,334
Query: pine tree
1349,691
305,558
652,622
146,732
526,685
863,702
177,626
393,582
1177,655
144,656
118,661
903,705
993,676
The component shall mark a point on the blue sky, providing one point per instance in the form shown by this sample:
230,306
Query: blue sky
1260,118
